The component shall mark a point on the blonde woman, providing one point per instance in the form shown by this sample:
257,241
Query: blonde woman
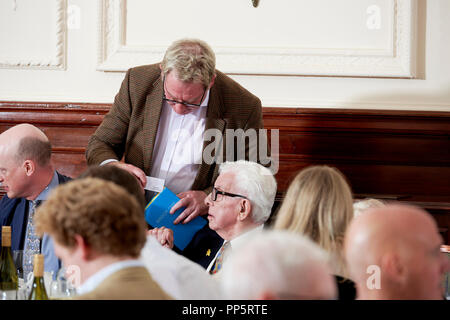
319,204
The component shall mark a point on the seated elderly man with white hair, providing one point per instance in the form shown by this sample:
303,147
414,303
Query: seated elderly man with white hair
278,265
239,204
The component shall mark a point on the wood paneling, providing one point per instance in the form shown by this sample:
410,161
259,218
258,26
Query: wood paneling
68,126
390,155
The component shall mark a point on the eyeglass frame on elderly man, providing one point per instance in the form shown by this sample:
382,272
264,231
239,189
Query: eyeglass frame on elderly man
215,192
186,104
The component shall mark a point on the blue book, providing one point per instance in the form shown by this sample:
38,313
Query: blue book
157,214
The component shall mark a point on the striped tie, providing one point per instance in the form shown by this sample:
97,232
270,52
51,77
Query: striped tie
223,253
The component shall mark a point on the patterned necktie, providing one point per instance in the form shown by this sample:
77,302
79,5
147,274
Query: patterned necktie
223,253
32,242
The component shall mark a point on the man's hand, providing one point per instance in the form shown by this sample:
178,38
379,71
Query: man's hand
194,201
135,171
163,235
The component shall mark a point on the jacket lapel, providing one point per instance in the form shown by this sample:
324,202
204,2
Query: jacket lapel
214,120
152,113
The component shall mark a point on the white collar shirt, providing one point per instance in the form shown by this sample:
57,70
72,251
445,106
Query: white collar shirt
97,278
177,152
237,242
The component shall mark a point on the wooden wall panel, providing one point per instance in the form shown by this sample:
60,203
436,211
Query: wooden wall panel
390,155
68,126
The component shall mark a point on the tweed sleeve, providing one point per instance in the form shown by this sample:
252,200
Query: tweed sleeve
108,141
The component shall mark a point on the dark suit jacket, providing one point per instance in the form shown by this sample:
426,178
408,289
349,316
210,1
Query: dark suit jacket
203,247
346,288
130,127
14,213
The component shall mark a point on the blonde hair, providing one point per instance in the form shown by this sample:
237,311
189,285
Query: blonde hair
104,214
193,61
319,204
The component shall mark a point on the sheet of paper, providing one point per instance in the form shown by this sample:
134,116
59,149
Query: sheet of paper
154,184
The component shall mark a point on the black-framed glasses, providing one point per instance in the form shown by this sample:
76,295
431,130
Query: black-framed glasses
215,192
189,105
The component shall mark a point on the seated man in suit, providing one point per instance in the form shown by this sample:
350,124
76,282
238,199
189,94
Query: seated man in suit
393,253
278,265
239,204
98,227
27,175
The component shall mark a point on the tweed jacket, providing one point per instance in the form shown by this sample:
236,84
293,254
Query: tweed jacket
133,283
129,129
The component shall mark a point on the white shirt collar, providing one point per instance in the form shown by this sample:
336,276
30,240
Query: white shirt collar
243,238
94,281
206,100
238,241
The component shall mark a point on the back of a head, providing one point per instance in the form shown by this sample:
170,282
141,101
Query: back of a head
257,183
118,176
278,265
30,144
193,60
399,244
318,204
104,214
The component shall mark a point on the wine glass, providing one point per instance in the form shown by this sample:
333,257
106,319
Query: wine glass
61,288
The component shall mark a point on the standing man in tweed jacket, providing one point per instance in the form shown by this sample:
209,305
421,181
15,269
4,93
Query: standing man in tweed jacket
159,117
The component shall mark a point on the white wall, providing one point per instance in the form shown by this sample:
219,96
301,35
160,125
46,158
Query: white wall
75,76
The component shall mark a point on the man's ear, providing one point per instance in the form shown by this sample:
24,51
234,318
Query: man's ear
392,267
83,249
29,167
212,81
245,209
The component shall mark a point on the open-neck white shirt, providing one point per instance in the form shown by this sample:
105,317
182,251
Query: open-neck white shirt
178,148
177,152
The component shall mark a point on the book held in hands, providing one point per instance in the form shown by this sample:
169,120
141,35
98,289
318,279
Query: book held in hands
157,214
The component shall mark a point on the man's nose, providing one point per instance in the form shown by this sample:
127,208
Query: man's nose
179,108
208,200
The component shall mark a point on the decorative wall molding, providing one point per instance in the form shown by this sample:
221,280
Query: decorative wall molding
397,61
58,59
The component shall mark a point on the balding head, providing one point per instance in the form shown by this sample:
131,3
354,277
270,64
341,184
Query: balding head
24,142
25,165
401,245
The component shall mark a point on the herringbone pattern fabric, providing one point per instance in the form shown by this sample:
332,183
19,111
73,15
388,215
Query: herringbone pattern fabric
129,129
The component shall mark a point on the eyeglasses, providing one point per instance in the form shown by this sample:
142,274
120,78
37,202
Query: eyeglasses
215,192
189,105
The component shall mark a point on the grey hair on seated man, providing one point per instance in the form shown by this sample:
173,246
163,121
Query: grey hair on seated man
278,265
257,183
239,204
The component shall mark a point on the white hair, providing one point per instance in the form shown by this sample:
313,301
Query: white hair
279,262
257,183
